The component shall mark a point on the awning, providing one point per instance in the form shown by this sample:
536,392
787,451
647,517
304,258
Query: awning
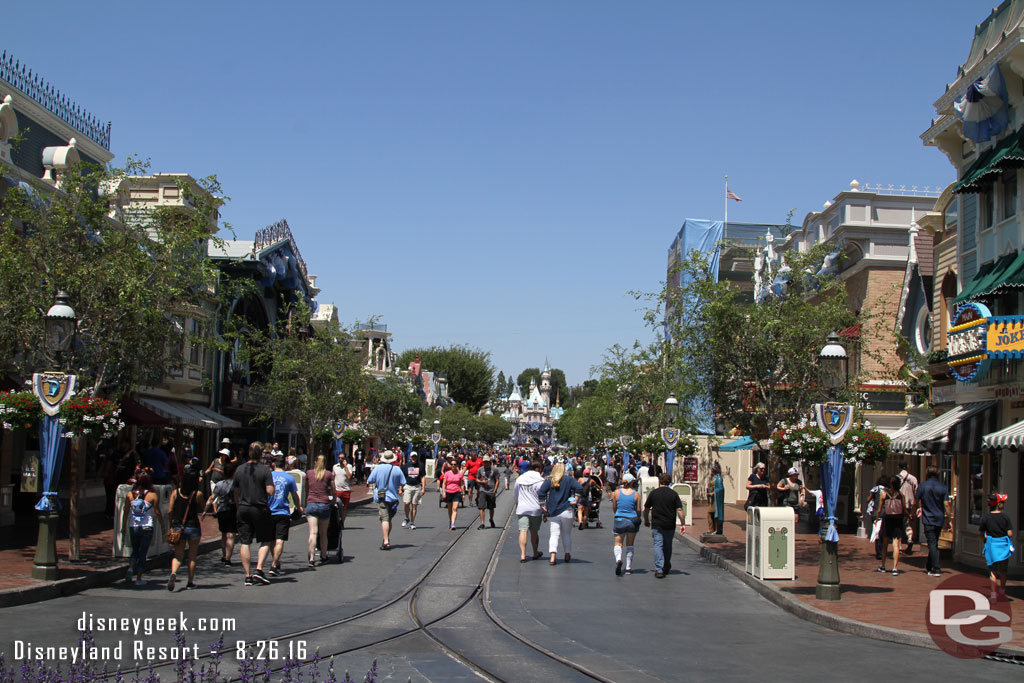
966,435
133,412
1005,271
188,414
1012,436
972,285
1007,154
924,437
744,443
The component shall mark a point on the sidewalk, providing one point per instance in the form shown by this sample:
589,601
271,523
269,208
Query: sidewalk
97,565
868,597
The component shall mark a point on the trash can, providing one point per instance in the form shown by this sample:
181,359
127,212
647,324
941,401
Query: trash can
771,546
685,492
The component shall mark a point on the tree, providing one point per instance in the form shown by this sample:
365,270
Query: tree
312,375
469,371
491,429
559,389
585,424
392,411
124,274
499,386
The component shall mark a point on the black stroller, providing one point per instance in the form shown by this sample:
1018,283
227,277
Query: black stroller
593,491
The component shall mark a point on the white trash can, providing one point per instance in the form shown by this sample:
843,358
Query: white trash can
771,546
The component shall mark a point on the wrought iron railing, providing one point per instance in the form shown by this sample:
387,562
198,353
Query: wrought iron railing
38,89
275,233
902,190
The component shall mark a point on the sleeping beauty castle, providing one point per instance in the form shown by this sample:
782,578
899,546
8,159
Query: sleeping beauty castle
533,420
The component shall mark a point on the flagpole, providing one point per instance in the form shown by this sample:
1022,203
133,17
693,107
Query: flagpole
726,224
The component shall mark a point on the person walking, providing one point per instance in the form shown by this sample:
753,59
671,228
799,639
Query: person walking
415,487
554,496
933,509
388,483
343,477
222,503
280,512
873,513
141,505
319,492
757,487
452,482
626,521
793,492
528,510
487,490
908,487
661,509
215,473
894,513
254,484
183,509
996,529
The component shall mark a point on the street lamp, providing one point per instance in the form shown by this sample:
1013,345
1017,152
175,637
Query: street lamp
671,409
437,431
59,325
834,363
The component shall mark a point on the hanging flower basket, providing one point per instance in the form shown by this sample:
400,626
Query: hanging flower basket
351,436
85,416
866,445
20,410
810,444
687,445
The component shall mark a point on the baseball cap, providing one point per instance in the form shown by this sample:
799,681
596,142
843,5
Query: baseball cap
997,498
792,470
628,477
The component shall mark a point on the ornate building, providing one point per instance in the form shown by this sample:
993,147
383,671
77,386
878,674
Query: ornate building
533,419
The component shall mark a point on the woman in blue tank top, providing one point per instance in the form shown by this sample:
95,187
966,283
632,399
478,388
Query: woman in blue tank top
627,521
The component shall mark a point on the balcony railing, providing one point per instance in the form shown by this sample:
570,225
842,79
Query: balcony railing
38,89
373,327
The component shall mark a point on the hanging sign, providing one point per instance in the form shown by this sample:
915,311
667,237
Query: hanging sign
690,469
834,418
670,435
337,429
52,389
625,441
967,348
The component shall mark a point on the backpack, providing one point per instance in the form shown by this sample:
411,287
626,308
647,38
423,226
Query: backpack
893,505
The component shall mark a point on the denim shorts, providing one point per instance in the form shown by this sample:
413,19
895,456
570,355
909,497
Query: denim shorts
625,526
318,510
191,533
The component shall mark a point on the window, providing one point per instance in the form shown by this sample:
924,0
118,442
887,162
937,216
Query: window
195,345
985,210
1009,195
976,502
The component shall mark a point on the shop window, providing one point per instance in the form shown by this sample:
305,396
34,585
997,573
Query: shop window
946,470
976,502
996,461
1009,194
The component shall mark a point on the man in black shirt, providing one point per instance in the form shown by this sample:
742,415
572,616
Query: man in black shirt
415,487
664,505
254,484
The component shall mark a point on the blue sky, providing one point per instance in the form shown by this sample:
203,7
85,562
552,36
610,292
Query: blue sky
502,174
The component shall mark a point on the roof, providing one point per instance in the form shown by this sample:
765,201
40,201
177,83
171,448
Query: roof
231,249
924,243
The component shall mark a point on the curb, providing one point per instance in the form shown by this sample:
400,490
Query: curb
11,597
820,617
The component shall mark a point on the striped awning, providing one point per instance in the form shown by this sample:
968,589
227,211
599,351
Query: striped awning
188,414
946,432
966,435
1012,436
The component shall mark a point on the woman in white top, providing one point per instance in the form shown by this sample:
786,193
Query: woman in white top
343,485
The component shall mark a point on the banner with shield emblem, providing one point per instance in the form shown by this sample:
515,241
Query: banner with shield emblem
670,435
52,389
835,419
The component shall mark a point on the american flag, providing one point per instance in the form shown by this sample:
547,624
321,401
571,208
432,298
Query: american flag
729,194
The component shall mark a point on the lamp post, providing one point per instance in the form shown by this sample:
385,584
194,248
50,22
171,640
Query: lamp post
834,364
436,436
670,437
59,326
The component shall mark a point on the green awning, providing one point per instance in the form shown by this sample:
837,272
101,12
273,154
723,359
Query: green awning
1007,154
1014,274
972,286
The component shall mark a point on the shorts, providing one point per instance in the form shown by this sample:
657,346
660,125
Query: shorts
471,485
227,523
412,495
254,522
485,500
625,526
344,497
385,511
893,527
999,567
189,533
529,522
282,523
453,497
318,510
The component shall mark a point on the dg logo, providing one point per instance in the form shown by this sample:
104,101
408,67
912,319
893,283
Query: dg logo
963,621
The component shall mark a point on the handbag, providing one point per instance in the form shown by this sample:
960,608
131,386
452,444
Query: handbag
174,533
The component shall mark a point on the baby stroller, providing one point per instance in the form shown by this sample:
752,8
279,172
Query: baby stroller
592,500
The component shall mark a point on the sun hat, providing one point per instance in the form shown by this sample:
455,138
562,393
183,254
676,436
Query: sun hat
628,477
224,451
387,457
792,470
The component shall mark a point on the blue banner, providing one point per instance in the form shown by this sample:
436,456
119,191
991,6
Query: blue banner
831,474
670,458
51,454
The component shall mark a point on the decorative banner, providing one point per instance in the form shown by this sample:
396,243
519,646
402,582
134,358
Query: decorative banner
967,347
834,418
670,435
337,429
435,437
690,469
462,441
52,389
611,442
625,441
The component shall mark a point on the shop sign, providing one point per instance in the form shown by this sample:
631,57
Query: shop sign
1006,336
967,348
690,469
888,401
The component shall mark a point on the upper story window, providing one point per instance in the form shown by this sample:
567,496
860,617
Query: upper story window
985,212
1009,194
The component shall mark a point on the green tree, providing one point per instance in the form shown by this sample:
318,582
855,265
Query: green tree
392,410
585,424
312,376
126,273
469,371
491,429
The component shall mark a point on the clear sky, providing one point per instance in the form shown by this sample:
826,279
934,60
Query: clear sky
501,174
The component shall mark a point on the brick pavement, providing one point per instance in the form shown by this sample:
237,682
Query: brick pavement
96,552
868,596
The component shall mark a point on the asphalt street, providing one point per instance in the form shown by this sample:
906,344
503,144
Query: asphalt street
698,624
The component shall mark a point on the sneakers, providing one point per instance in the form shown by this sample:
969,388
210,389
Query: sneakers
618,568
406,522
481,527
412,526
452,527
140,582
275,571
896,572
492,525
225,563
881,569
170,581
629,572
659,575
934,572
189,586
259,577
248,581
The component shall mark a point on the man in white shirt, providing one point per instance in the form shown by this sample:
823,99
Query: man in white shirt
528,508
908,487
